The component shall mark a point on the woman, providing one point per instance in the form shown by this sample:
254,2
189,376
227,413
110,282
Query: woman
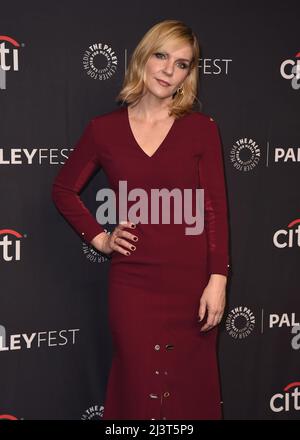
166,287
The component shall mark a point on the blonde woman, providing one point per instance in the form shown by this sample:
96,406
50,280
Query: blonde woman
167,287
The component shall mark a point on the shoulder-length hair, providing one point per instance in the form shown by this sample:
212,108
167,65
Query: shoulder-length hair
155,37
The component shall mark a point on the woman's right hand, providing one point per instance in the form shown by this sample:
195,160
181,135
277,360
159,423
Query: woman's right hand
117,240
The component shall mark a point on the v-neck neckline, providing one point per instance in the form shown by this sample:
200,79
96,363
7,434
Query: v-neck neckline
168,135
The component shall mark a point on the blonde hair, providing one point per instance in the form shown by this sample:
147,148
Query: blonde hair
155,37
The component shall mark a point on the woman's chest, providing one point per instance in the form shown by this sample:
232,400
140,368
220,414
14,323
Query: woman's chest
173,164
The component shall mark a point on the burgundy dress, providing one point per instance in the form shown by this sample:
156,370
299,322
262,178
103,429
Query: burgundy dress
163,366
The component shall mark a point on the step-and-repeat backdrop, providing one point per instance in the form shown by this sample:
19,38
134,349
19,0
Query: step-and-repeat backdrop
62,63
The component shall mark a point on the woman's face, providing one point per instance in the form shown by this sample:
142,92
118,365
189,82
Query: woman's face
170,64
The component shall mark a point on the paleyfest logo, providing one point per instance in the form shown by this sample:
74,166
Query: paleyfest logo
100,61
38,339
9,57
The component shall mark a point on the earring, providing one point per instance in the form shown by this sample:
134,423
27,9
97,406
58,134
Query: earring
180,90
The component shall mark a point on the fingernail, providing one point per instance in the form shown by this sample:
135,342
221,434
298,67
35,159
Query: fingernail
132,225
127,253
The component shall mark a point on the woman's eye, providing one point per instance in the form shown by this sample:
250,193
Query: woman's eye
162,55
159,54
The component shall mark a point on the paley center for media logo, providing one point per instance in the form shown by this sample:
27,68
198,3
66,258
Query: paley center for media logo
245,154
100,61
9,57
94,412
290,70
241,321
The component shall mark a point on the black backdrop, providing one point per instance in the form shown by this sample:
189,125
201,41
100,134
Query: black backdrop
62,63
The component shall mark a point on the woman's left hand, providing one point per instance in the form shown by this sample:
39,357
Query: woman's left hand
213,300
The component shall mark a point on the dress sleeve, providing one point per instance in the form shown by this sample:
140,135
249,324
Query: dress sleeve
212,180
82,162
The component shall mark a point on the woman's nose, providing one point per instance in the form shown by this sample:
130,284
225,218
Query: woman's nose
168,68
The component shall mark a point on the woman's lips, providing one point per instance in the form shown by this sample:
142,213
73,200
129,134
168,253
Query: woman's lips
163,83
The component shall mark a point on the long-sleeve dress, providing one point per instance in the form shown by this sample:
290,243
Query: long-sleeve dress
163,366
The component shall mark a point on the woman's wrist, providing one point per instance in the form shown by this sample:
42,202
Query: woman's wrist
218,279
100,241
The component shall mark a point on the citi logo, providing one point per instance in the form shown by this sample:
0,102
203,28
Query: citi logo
286,401
289,237
8,417
9,57
11,244
290,70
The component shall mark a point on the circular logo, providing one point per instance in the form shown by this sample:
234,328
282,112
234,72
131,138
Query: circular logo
93,413
92,254
240,322
245,154
100,61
